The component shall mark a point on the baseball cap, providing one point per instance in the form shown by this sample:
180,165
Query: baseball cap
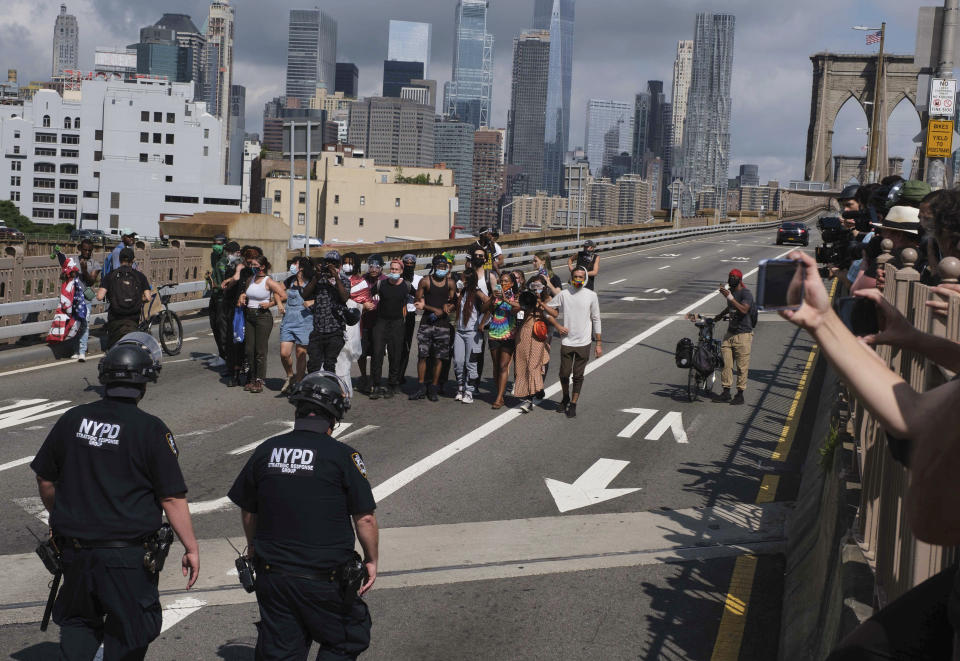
914,191
736,273
126,231
333,256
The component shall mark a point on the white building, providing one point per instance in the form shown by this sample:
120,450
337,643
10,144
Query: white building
113,154
66,42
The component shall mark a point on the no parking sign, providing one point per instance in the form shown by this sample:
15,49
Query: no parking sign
943,95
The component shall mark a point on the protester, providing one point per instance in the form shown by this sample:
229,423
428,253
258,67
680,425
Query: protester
496,252
410,320
435,297
544,266
391,294
126,290
588,259
329,293
128,239
540,286
361,291
486,280
218,269
234,350
581,316
468,340
260,293
502,307
89,275
71,313
533,351
901,225
739,338
296,324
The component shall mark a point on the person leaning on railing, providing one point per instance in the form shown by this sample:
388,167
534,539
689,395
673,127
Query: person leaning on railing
917,624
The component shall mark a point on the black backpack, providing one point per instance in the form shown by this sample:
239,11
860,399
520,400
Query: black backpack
684,353
124,292
704,358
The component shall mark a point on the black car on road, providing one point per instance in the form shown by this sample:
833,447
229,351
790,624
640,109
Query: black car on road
794,233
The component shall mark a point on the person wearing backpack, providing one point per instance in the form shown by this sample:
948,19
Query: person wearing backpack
126,290
736,343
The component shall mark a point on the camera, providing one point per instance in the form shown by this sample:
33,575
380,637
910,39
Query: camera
839,248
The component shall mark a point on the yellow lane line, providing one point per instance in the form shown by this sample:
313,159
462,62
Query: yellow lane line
789,431
730,634
768,489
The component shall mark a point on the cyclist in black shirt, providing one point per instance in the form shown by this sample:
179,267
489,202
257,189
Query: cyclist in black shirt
298,494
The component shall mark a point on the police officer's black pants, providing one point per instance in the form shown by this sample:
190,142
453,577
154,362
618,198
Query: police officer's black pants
323,349
295,611
107,597
387,338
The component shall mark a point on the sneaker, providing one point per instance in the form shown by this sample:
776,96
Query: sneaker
420,393
217,362
538,398
376,392
723,396
564,403
75,356
526,406
287,385
432,393
459,396
82,357
738,398
572,411
468,398
256,386
388,392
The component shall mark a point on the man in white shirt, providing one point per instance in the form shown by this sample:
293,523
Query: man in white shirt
581,323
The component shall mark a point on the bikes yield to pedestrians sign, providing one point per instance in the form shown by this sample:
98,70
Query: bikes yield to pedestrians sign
939,138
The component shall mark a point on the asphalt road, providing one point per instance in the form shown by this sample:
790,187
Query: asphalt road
615,535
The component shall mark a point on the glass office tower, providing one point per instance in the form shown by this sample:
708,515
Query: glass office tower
557,16
468,95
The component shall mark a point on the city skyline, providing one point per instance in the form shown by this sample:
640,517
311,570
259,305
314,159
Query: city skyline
615,53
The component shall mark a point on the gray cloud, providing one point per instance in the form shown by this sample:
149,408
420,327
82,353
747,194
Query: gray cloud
619,45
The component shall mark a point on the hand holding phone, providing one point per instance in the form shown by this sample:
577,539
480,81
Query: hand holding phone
780,284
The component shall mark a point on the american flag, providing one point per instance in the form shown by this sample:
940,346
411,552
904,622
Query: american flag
873,38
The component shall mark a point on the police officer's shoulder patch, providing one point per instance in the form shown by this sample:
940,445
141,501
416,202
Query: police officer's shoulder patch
358,462
172,444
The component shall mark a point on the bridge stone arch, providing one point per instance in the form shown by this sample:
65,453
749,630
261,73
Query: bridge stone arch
837,78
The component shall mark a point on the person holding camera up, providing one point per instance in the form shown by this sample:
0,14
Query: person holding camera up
301,496
588,259
106,472
739,338
329,294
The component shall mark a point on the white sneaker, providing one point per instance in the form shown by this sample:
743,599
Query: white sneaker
75,356
82,357
467,398
526,406
459,396
217,362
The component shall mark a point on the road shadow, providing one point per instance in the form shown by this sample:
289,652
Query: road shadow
236,650
38,652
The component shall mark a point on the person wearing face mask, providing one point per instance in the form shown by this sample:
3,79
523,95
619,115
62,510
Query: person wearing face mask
502,307
392,295
361,292
486,280
736,343
231,292
410,320
581,316
435,297
588,259
468,340
218,269
296,324
329,294
260,293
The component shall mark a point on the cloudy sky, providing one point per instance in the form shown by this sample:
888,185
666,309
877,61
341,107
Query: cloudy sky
619,45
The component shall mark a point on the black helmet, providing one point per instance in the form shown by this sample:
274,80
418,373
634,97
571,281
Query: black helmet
589,243
324,390
849,192
135,359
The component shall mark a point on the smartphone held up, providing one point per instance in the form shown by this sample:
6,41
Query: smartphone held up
780,284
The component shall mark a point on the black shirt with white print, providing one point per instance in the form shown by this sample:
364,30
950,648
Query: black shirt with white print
304,486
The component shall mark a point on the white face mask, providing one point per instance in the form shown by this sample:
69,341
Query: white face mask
293,269
347,268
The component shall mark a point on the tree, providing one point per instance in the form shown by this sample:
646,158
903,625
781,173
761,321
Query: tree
10,214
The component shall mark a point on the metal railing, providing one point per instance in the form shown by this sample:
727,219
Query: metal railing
192,261
899,560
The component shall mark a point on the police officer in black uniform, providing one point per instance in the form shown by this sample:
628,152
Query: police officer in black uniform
298,493
106,472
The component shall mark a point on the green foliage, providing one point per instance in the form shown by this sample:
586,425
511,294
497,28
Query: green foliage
11,216
829,447
420,180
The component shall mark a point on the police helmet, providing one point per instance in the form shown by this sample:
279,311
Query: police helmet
326,391
135,359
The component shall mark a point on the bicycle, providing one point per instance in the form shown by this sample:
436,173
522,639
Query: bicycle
697,382
171,330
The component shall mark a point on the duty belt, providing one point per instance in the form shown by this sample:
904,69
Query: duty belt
103,543
329,575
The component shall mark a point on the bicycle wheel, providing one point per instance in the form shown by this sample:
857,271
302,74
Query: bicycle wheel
170,332
692,384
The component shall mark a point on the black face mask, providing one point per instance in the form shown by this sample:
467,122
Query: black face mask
478,261
408,272
733,282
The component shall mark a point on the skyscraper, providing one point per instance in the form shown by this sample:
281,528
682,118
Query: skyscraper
189,38
397,74
681,88
393,131
556,16
528,103
311,53
706,133
410,42
641,126
487,178
655,130
238,125
348,79
218,71
609,132
453,145
66,42
160,54
468,95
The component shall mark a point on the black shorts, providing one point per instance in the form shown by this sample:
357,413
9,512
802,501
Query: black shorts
435,341
508,345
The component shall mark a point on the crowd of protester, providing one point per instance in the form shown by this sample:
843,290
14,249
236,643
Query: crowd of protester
921,427
344,314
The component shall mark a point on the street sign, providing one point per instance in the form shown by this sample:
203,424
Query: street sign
939,138
943,95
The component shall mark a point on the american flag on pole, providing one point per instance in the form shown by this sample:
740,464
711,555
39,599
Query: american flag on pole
873,38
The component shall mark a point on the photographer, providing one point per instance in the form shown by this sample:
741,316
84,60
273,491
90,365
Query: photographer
739,338
902,226
586,259
326,289
916,625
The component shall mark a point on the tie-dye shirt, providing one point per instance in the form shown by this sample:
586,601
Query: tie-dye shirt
503,321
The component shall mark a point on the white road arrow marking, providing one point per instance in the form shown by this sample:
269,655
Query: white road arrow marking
36,409
34,507
617,282
672,421
634,299
590,488
357,432
207,506
15,463
250,447
736,259
697,257
643,416
663,267
180,609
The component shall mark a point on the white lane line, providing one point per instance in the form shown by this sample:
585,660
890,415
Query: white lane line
207,506
340,428
697,257
34,507
343,439
250,447
15,463
32,413
617,282
180,609
663,267
21,403
203,356
59,363
409,474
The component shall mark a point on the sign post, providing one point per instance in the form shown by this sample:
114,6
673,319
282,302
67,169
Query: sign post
939,138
